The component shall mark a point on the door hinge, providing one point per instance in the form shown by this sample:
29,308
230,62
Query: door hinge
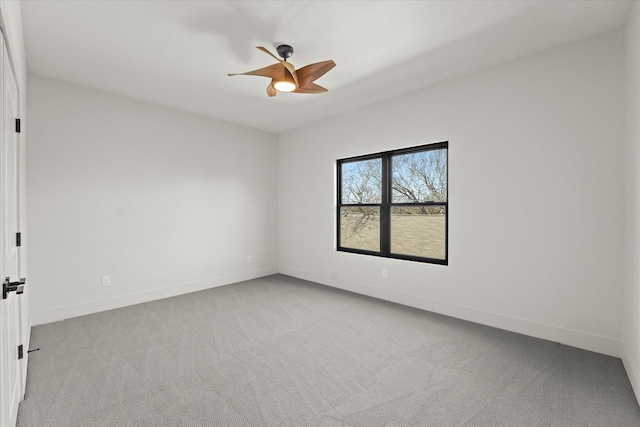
18,125
20,352
18,239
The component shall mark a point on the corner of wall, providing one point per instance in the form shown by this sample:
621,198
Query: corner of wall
631,367
630,345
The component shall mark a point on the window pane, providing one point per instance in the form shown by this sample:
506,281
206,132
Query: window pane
362,181
418,231
420,177
360,228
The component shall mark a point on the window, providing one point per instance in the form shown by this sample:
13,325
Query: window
394,204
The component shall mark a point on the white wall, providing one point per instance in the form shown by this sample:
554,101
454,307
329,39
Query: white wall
631,336
162,201
536,234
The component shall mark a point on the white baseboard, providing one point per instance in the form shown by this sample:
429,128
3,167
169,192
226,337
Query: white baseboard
631,366
583,340
66,312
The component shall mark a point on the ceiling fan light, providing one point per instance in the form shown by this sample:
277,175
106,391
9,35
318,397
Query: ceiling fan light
284,86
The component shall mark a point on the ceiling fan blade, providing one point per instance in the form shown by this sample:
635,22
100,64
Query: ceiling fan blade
265,50
271,91
272,71
288,66
311,88
310,73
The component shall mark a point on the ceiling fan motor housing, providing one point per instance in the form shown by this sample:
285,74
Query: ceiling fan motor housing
285,51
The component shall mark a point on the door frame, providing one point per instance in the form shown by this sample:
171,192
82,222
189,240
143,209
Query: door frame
15,306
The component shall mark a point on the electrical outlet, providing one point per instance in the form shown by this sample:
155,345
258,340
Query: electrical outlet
106,280
384,273
249,259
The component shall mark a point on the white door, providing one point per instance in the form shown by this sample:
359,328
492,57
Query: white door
10,304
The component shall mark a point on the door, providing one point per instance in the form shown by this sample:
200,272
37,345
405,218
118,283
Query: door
10,311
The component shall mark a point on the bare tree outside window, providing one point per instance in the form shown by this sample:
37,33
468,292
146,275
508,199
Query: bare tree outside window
420,177
362,182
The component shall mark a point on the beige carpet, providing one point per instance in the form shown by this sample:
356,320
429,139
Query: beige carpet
279,351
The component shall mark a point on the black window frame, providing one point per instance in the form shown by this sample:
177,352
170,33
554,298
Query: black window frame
386,203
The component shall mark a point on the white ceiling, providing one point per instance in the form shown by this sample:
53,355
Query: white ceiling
178,53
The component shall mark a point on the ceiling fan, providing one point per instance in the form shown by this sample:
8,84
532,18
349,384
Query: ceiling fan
284,76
